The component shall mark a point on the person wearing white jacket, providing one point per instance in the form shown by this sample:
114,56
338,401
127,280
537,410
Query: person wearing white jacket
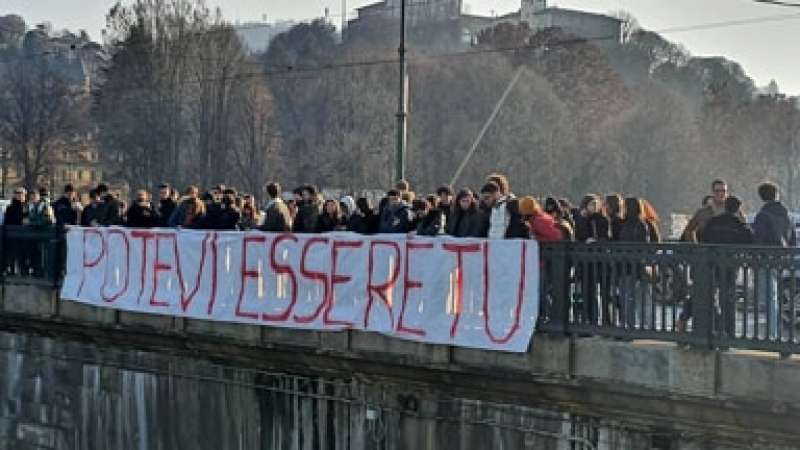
499,216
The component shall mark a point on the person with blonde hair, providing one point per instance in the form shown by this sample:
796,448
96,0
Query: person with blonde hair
502,182
542,226
652,220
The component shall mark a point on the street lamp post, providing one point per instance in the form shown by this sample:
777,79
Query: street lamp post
402,107
5,171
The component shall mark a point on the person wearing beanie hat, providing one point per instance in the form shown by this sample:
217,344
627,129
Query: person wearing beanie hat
543,227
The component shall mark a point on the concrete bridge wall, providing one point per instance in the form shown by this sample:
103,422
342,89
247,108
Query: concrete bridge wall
127,373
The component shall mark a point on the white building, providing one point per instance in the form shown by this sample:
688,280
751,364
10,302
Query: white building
603,29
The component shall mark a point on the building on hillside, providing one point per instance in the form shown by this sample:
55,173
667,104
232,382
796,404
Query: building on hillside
258,35
448,14
73,161
600,28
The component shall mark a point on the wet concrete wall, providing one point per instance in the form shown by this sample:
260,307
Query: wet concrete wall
78,377
57,394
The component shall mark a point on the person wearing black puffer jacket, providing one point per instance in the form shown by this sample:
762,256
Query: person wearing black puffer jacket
308,211
591,225
331,218
15,213
109,210
15,216
219,216
613,211
67,209
141,213
427,220
728,227
364,220
166,204
634,228
230,213
466,219
773,226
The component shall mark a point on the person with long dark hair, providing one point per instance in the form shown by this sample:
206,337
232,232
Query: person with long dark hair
554,210
590,223
466,220
332,218
613,211
309,209
634,227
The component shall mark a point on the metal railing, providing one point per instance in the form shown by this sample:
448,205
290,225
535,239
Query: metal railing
704,295
32,255
701,295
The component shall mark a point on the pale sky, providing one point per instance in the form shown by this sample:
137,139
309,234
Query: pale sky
767,49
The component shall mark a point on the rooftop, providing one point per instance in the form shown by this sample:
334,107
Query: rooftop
555,9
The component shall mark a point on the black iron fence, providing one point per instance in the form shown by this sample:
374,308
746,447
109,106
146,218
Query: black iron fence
700,295
711,296
32,255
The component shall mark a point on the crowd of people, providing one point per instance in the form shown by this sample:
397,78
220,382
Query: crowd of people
493,212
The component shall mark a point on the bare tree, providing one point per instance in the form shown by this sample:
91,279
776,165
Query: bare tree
255,140
38,110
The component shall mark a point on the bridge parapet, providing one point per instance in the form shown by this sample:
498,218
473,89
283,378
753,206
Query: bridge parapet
735,394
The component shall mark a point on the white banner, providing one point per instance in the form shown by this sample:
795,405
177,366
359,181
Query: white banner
465,292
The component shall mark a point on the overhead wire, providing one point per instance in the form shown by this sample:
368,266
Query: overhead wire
291,72
778,3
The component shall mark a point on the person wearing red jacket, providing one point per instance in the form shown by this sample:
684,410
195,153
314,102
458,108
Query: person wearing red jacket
543,227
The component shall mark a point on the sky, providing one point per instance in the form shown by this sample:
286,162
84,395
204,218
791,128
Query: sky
766,45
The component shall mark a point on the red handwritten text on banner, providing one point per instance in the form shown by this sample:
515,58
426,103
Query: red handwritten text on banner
464,292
